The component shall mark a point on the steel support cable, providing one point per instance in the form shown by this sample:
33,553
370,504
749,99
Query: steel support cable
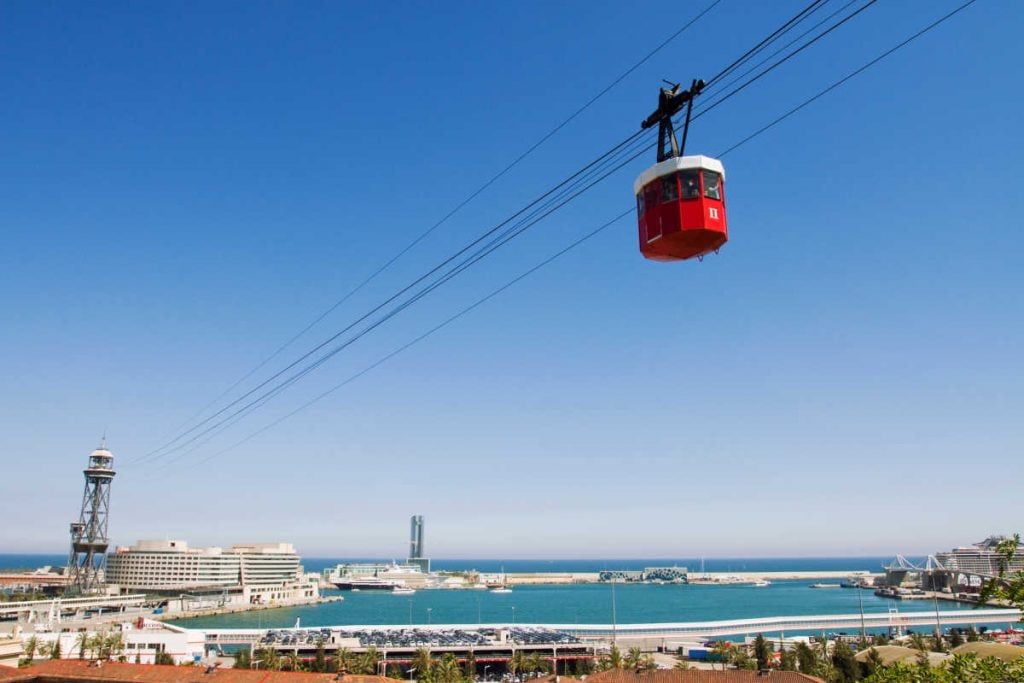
481,253
420,279
753,68
154,453
424,335
850,75
772,37
753,135
785,59
444,219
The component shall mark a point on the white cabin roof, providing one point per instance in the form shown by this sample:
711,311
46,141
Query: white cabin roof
677,164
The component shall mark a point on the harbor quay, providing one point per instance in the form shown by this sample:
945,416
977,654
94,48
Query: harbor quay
568,642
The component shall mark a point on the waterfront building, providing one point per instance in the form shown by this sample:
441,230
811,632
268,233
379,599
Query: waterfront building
257,574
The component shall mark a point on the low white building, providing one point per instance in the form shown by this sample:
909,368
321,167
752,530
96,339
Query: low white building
141,641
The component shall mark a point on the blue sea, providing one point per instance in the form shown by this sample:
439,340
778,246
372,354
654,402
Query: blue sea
582,604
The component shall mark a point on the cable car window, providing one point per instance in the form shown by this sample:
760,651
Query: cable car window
669,189
651,195
689,181
640,207
712,185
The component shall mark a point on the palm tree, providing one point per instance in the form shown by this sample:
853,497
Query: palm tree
611,659
344,660
113,645
633,657
97,645
534,663
294,663
681,665
82,642
423,662
269,659
447,670
722,650
369,661
31,645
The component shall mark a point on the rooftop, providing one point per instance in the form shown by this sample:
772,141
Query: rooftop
69,670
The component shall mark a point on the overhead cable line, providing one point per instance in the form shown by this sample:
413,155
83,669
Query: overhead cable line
580,241
494,244
572,246
794,53
172,443
850,75
458,207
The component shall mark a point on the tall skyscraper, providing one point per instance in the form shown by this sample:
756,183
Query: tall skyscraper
89,534
416,544
416,537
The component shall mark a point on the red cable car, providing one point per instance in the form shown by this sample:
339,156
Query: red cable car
681,208
680,200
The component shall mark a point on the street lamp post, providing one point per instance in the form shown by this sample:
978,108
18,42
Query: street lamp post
486,667
412,670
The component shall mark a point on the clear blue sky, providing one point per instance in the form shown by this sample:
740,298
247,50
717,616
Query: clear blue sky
183,186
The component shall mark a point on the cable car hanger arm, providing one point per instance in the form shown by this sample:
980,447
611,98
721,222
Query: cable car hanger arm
670,101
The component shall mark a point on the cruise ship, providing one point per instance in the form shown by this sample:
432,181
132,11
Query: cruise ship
376,576
980,559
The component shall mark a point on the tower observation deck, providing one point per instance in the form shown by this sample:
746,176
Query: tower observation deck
89,534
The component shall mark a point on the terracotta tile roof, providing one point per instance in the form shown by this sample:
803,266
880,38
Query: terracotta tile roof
74,670
9,674
698,676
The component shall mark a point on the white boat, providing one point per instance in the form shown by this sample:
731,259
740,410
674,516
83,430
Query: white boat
761,583
501,589
402,591
825,585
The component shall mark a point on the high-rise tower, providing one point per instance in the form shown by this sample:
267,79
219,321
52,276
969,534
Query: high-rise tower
416,544
89,533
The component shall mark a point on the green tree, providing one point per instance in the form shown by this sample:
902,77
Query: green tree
343,660
762,652
31,647
82,642
447,670
787,659
1007,586
368,662
845,667
534,663
682,665
320,660
163,659
807,659
741,659
292,662
243,660
113,645
55,651
874,663
972,634
722,651
609,660
268,659
470,666
423,662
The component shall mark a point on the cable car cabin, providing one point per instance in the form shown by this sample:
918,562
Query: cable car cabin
681,208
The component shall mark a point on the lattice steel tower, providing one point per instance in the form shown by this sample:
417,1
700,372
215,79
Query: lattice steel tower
89,533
